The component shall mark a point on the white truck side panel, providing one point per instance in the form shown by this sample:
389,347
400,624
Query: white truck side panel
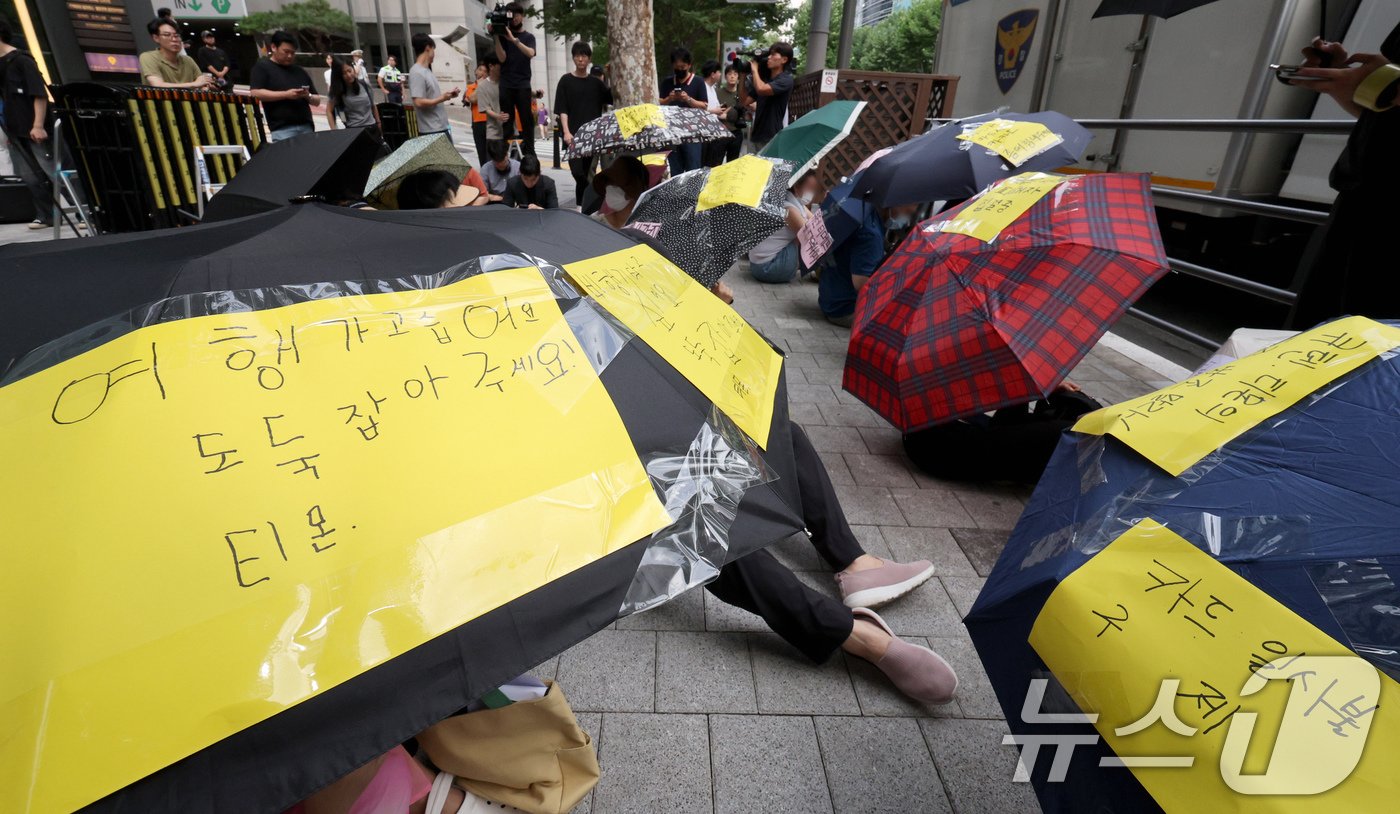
1089,69
967,47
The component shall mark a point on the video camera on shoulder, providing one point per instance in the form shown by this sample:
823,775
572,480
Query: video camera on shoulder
739,63
498,20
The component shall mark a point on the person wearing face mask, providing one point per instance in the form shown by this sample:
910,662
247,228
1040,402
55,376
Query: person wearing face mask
854,260
684,89
775,259
620,185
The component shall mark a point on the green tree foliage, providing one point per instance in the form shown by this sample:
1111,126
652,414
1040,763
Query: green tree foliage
313,22
901,43
688,23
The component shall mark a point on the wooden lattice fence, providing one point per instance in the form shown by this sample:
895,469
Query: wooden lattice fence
897,106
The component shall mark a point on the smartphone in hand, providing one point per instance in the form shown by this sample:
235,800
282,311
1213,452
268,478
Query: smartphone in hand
1288,73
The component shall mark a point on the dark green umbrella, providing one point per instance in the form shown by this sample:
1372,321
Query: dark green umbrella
806,141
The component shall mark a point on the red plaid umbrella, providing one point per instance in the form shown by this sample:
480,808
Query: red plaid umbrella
950,326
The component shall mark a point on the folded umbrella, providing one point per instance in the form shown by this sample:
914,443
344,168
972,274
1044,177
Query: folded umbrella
944,164
953,325
1153,8
709,217
383,577
332,164
1291,523
645,128
420,154
806,141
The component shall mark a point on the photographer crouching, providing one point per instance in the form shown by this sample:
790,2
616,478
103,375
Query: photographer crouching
515,47
769,86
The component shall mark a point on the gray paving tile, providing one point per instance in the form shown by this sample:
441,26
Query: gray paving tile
975,767
789,684
853,415
992,508
654,763
767,765
592,724
811,394
883,440
805,414
925,611
975,696
720,616
703,672
834,361
836,439
878,697
935,545
879,765
836,469
879,470
685,612
547,669
611,671
963,590
931,507
869,506
982,547
872,539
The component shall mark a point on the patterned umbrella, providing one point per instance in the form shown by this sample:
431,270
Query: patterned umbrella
433,152
953,325
644,129
706,218
948,164
806,141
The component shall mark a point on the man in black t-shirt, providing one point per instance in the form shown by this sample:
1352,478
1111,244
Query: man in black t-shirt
683,88
212,60
580,98
515,48
284,88
26,103
771,105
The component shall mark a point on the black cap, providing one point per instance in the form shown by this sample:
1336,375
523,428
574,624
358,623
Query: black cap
206,33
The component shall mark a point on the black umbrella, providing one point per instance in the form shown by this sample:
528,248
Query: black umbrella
1170,8
332,164
263,261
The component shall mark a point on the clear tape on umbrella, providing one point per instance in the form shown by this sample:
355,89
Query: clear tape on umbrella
702,486
1362,596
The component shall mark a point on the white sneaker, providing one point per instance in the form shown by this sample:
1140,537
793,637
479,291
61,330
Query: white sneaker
472,804
38,224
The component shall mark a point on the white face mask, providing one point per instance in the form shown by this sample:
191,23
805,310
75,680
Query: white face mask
898,222
615,198
805,197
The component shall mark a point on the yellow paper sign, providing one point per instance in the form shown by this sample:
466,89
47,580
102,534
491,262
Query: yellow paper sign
736,182
1213,694
211,520
1017,142
1179,425
697,334
986,216
636,118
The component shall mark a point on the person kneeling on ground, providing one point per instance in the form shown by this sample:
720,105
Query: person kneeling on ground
819,625
775,259
530,189
435,189
855,260
1013,444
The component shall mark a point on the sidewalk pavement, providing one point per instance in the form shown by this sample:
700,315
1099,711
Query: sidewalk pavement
697,707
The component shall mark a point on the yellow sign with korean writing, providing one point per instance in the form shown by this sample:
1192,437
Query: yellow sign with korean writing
1213,694
698,335
636,118
987,215
1017,142
1179,425
211,520
736,182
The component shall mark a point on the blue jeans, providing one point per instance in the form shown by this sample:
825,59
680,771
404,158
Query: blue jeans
781,268
684,158
290,132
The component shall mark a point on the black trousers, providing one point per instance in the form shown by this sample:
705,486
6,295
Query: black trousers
812,622
518,100
479,139
582,171
718,152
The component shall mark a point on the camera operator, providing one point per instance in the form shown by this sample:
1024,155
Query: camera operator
515,47
771,102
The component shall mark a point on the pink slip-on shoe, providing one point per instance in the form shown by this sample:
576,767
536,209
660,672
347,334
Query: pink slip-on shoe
916,671
876,587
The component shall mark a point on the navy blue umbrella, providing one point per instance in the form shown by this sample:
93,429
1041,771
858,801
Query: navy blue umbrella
1304,506
939,166
844,211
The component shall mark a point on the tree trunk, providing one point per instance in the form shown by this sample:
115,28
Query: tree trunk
633,65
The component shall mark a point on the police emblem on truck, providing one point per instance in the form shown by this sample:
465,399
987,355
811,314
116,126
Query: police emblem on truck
1013,45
